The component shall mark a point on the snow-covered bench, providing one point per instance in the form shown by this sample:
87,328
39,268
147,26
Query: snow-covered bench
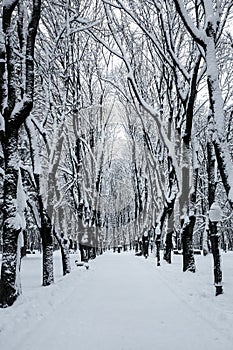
82,264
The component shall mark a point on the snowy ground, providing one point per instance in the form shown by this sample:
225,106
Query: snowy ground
122,302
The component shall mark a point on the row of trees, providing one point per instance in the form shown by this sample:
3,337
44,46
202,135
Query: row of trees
71,73
54,159
189,89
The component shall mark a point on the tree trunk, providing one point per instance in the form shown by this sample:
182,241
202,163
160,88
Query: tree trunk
170,229
168,248
158,242
15,109
63,243
9,290
187,242
215,239
65,260
186,205
47,250
63,240
217,121
82,252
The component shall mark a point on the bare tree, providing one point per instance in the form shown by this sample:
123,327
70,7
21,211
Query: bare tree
17,88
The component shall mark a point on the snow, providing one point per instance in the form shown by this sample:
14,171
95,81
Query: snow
18,221
2,123
215,213
8,3
230,194
121,302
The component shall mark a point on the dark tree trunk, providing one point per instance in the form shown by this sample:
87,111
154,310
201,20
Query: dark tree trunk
82,252
47,250
158,243
63,243
168,248
9,290
65,260
187,204
215,239
145,246
15,112
170,229
213,232
187,242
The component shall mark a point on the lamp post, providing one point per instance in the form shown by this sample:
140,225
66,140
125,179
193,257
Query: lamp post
215,215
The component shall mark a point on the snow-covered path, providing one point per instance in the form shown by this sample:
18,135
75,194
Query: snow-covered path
121,302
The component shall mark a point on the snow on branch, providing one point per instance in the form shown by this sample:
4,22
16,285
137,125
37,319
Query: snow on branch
18,221
197,34
9,4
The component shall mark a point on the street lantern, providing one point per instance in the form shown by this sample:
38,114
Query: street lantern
215,212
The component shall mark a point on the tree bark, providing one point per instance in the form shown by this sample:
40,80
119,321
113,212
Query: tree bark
213,231
47,250
158,243
188,217
217,120
63,243
187,243
215,240
168,248
15,109
9,290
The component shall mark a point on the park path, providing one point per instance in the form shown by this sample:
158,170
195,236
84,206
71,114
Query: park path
122,303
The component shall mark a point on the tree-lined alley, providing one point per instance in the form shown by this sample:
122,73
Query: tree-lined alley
115,129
